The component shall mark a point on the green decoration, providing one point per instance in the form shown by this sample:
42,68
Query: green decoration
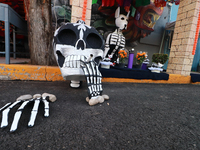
160,58
142,3
99,24
110,21
61,12
133,11
94,1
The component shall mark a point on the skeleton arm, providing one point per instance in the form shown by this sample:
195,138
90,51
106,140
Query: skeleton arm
24,100
93,79
107,46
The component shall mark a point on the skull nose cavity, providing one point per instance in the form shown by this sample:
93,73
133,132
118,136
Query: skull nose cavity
80,44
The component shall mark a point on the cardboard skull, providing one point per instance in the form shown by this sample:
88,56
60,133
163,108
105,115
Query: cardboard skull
74,43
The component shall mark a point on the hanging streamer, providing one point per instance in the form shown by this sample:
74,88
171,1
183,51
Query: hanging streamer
120,2
139,3
162,3
84,10
94,1
196,35
108,3
127,5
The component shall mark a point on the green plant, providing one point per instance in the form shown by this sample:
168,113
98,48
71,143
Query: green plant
159,58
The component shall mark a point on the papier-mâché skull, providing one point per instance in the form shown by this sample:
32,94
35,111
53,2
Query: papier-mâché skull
73,43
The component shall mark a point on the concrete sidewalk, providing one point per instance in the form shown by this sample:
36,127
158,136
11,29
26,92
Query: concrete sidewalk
48,73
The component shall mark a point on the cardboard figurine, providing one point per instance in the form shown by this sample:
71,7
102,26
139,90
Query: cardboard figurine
78,49
116,40
24,100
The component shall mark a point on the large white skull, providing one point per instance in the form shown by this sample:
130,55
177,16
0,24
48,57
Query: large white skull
74,42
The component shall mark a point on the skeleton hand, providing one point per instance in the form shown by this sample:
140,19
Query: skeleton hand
24,100
93,78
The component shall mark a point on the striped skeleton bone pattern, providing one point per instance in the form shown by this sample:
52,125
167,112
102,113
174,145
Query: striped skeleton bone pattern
24,100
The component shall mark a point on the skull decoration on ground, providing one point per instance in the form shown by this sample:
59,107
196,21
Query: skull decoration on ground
116,40
73,43
78,49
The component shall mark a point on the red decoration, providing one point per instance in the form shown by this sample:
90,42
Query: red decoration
196,35
84,10
120,2
108,3
177,2
162,3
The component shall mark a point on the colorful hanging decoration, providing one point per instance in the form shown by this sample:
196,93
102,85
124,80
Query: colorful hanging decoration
122,3
141,21
127,5
84,10
133,11
137,16
139,3
162,3
94,1
108,3
127,2
196,35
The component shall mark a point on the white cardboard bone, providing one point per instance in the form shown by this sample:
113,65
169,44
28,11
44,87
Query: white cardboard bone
52,97
24,97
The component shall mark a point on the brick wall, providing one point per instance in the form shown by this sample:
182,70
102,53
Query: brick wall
181,58
77,8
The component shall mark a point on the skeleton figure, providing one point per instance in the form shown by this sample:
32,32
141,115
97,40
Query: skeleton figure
116,40
78,49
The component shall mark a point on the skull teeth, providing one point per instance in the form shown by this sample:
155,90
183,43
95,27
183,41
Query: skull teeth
74,61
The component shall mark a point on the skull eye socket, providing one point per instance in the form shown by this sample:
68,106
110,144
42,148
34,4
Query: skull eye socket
94,41
67,36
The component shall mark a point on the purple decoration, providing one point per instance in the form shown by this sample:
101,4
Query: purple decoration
137,16
144,66
127,2
130,60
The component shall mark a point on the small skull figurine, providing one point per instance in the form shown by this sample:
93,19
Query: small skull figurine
73,44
